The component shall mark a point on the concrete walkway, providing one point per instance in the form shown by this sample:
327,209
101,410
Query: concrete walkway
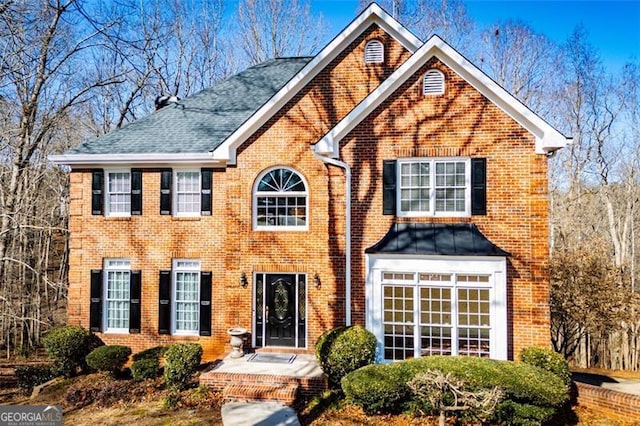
258,414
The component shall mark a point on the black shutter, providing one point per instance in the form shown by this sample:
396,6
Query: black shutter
479,186
97,191
95,309
389,187
136,191
205,303
205,192
135,288
164,306
165,191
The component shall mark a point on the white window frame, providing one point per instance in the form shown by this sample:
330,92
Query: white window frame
288,194
176,193
369,57
431,212
193,267
114,266
493,267
433,83
107,194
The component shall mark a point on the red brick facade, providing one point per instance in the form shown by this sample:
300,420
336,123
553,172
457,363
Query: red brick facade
462,122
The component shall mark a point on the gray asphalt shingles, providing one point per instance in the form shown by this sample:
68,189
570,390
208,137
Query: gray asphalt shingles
201,122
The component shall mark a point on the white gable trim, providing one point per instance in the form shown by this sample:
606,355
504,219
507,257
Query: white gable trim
373,14
548,139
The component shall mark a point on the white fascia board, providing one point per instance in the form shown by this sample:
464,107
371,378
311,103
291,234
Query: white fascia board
548,139
373,14
152,160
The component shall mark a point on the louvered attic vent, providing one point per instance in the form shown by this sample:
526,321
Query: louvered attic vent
374,52
433,83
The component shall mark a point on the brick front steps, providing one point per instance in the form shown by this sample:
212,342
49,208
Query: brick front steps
239,380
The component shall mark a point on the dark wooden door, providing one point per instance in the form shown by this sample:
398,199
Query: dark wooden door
280,310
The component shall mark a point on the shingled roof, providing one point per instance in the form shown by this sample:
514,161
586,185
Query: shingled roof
456,239
199,123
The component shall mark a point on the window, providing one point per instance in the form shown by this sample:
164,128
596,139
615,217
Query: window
118,194
117,295
433,83
186,289
185,192
434,187
436,314
374,52
280,200
187,188
115,298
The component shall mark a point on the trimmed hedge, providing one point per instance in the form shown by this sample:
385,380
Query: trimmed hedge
68,347
30,376
345,349
181,361
109,359
548,360
145,368
152,353
531,395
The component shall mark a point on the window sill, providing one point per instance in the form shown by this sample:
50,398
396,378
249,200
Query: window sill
122,331
117,218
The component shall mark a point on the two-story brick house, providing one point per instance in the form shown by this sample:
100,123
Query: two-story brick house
385,182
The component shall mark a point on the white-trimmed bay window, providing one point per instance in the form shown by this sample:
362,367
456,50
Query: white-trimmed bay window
434,187
118,193
280,201
186,296
434,306
117,279
187,193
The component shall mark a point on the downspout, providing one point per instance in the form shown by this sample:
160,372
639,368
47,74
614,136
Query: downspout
347,273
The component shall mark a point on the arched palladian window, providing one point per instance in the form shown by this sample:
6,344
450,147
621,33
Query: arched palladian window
374,52
433,83
280,200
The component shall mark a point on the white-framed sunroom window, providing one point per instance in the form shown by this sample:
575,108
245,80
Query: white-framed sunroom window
186,296
434,187
280,201
437,307
117,280
187,193
118,193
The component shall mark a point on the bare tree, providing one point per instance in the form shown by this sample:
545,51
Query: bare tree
270,29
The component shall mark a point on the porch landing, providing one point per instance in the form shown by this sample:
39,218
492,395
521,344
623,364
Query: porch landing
240,380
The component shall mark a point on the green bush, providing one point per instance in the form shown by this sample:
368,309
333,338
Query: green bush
145,368
30,376
530,394
109,359
67,347
345,349
547,360
181,361
380,388
152,353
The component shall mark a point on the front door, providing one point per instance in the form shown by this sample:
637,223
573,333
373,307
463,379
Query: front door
280,310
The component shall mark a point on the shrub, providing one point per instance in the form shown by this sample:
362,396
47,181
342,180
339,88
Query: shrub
145,368
530,395
547,360
30,376
109,359
181,361
68,346
152,353
345,349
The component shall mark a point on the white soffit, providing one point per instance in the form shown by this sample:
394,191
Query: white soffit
373,14
548,139
78,161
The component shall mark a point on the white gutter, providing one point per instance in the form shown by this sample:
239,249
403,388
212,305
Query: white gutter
151,159
347,244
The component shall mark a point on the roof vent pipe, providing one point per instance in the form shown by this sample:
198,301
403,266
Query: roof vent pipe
164,100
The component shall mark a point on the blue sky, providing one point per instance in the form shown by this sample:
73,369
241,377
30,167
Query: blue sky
613,26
